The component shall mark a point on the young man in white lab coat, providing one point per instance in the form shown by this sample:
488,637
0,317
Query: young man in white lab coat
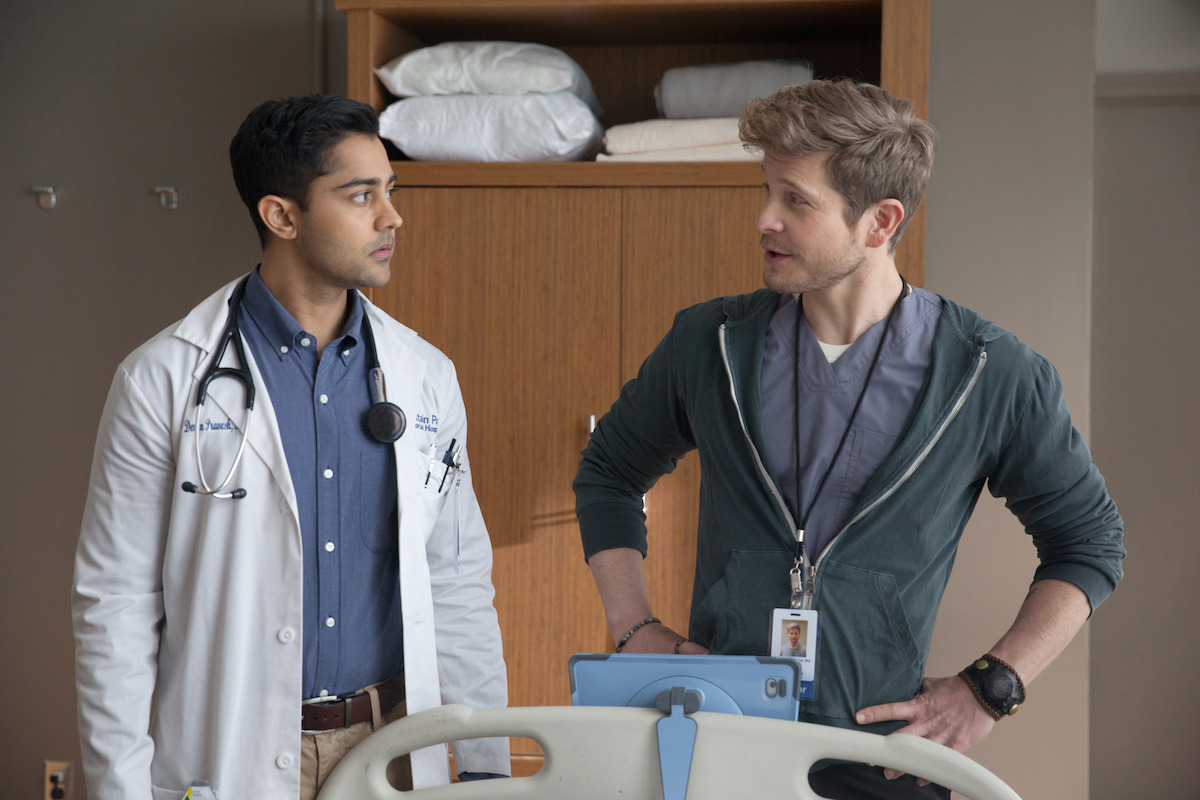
256,591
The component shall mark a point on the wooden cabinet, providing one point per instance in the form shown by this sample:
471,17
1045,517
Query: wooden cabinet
547,284
625,45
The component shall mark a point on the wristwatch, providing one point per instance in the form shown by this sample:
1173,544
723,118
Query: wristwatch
996,685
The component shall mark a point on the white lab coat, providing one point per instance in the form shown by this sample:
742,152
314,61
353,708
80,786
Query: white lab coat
197,602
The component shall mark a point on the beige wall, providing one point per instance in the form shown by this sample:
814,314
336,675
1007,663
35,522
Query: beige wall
104,101
1009,235
1145,385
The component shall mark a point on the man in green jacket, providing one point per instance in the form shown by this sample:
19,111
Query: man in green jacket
846,424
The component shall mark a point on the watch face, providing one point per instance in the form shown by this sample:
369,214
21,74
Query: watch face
997,687
1001,686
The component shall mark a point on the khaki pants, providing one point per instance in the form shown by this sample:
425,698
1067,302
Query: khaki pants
321,752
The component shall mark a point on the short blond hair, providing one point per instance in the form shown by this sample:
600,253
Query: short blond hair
877,147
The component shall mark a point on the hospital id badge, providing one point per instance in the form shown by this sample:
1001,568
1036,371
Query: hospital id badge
794,635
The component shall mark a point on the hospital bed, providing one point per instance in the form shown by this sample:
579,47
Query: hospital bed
605,753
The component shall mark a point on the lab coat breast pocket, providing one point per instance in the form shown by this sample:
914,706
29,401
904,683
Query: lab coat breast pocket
426,483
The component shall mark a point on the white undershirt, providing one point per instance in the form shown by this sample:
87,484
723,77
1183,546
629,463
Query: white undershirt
833,351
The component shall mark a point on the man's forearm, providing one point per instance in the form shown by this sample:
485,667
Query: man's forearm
1053,612
622,584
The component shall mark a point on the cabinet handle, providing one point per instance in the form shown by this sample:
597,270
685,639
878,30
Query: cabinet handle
591,424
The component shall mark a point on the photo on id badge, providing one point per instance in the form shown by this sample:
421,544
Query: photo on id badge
794,635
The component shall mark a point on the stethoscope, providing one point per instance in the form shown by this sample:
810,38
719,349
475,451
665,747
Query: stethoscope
385,421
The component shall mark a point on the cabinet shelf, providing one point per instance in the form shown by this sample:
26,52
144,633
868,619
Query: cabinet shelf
624,46
577,173
574,22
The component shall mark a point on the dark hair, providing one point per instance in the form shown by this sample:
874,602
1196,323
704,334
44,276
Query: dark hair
877,147
281,147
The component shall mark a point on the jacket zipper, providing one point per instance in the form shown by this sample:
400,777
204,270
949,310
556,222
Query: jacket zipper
810,568
807,570
920,459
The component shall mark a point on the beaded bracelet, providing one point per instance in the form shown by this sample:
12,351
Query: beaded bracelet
635,629
679,644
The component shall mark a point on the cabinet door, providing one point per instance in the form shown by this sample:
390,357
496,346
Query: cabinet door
680,246
520,288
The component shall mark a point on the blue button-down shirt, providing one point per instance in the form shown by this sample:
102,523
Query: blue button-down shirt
345,485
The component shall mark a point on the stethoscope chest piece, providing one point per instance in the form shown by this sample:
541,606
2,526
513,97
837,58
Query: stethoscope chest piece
386,422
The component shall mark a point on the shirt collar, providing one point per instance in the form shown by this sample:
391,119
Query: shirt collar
281,329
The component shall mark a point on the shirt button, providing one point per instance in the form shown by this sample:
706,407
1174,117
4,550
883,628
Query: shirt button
324,399
345,353
328,473
324,693
285,635
329,622
284,761
329,546
305,342
283,349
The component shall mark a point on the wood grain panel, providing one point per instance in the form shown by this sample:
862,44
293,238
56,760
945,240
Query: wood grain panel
520,288
372,40
904,71
578,173
681,246
548,284
565,22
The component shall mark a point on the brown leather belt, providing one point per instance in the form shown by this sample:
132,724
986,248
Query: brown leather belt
342,712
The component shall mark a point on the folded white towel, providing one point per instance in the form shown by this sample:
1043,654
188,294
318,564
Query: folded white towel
715,152
670,134
722,90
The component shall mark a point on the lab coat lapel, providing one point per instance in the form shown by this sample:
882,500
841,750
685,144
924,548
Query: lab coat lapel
203,328
404,374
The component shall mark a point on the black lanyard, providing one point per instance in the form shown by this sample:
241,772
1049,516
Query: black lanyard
803,566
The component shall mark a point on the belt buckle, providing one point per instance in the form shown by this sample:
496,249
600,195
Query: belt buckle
346,699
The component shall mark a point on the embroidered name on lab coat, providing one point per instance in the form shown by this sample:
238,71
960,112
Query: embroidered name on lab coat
209,425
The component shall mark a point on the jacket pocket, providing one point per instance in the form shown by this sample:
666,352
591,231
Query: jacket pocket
734,618
866,653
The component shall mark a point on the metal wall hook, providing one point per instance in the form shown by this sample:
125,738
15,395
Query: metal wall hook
168,197
47,198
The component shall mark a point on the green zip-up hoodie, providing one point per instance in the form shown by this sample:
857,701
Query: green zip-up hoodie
991,412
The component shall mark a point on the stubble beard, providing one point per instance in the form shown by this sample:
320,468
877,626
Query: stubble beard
801,279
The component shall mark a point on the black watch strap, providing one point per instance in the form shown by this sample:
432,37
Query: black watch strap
996,685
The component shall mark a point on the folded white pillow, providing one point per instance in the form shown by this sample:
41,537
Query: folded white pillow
722,90
557,126
486,68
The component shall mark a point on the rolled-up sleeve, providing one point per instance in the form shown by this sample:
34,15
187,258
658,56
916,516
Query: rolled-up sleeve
640,439
1047,479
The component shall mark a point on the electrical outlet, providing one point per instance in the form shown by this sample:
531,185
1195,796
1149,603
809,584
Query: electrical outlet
58,781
